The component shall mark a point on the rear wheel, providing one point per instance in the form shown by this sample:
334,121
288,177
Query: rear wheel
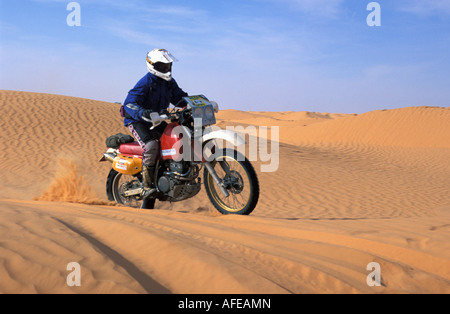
239,179
118,184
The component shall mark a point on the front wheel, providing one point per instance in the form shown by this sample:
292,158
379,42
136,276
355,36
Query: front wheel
239,179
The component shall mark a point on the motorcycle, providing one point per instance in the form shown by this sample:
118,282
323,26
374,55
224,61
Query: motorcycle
188,145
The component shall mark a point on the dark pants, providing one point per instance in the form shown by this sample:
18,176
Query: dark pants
148,139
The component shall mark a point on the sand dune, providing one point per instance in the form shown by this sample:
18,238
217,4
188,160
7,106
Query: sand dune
404,127
350,190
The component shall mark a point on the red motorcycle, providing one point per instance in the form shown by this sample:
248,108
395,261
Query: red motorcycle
187,146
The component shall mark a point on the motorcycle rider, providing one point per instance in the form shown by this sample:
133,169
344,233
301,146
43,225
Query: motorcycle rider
152,94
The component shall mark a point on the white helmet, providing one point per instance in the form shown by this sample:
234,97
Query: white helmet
159,63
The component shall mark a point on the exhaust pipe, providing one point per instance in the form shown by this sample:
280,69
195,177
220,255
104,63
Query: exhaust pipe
108,157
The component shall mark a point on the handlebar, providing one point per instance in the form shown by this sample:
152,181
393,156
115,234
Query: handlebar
179,115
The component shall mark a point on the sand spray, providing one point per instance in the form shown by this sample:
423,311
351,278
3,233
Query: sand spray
68,185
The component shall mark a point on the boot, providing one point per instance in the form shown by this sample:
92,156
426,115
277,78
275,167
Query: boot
147,178
148,203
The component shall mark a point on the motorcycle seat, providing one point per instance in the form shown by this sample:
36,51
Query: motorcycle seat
131,149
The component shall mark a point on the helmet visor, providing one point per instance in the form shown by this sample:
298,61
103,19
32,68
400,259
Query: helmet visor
162,67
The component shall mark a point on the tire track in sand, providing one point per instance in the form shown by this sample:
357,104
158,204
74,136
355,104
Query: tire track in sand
149,284
292,259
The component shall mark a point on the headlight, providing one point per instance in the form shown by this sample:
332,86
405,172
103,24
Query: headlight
198,113
215,106
209,112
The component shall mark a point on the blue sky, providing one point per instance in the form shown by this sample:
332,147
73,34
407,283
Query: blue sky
258,55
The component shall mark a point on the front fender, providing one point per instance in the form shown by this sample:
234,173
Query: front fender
226,135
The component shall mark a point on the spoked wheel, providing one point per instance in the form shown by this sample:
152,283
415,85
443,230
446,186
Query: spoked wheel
118,185
239,179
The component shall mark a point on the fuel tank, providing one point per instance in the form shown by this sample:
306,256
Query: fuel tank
130,165
172,142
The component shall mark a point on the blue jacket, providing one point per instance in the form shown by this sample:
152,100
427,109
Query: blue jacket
152,93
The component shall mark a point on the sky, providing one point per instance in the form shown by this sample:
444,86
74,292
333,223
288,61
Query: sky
256,55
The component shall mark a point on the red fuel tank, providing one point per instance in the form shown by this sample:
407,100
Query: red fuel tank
172,142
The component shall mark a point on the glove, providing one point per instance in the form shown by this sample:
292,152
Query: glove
182,103
152,117
146,115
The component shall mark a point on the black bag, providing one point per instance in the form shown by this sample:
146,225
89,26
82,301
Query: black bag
116,140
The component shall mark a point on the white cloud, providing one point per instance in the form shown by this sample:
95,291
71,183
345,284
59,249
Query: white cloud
426,7
174,10
8,28
323,8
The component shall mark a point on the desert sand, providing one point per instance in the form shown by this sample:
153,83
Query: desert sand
350,190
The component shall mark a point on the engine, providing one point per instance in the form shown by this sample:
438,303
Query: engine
178,167
180,181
